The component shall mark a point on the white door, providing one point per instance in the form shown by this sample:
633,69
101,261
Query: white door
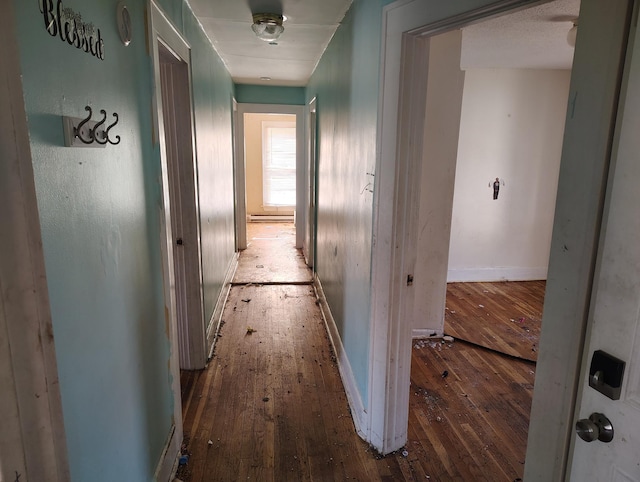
614,317
183,195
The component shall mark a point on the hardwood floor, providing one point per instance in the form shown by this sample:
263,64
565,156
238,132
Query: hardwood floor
271,406
271,256
271,401
505,316
472,424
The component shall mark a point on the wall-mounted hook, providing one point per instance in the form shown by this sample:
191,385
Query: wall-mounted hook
100,133
89,133
84,135
117,141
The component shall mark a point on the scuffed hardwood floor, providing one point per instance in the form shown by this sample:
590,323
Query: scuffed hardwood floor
503,316
271,407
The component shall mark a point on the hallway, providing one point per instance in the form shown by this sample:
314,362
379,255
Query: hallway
271,405
271,400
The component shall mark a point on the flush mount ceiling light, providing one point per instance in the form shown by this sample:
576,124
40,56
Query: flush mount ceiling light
267,26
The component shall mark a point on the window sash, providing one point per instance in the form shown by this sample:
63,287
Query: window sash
278,164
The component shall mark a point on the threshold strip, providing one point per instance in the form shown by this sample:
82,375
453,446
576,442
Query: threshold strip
270,283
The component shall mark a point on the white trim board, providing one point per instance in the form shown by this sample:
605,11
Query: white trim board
426,333
213,327
496,274
32,440
160,28
400,118
240,171
167,464
586,151
358,412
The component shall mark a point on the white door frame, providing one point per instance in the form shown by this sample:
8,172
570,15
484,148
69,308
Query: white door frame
234,134
403,77
32,442
162,30
309,246
240,171
402,85
183,184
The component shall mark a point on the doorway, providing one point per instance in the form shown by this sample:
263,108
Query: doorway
484,113
585,152
265,189
179,214
270,167
183,199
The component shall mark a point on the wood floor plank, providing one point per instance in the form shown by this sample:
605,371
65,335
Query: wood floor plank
271,256
503,316
273,406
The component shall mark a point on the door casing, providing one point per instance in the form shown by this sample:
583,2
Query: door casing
162,30
309,246
185,214
240,170
402,78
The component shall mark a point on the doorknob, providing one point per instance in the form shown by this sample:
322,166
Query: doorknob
596,427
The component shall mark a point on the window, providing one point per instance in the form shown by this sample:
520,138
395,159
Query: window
278,163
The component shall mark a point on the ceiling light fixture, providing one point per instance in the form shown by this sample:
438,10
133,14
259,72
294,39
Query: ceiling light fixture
267,26
573,32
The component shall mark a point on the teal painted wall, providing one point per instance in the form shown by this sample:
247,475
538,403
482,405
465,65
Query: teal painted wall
212,97
346,85
99,211
269,94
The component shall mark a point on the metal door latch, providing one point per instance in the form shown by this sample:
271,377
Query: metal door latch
596,427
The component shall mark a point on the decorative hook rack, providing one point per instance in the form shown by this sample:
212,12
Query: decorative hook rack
86,132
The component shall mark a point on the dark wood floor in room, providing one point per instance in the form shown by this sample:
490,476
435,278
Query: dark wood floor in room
271,407
503,316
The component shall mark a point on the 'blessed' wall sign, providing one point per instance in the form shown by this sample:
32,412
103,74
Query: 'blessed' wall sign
63,22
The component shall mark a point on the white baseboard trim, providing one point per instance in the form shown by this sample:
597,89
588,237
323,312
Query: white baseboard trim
214,324
421,333
168,463
358,411
270,218
496,274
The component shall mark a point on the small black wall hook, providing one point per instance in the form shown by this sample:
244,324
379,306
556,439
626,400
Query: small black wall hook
77,131
117,141
97,132
89,132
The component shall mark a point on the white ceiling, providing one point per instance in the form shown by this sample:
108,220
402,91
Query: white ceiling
533,38
309,27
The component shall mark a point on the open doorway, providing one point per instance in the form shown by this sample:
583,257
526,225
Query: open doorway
576,223
183,199
270,168
270,163
491,155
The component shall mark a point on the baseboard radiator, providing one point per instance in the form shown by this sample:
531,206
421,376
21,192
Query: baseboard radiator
270,218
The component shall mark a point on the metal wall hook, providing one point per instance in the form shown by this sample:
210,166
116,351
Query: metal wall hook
96,133
77,131
89,133
117,141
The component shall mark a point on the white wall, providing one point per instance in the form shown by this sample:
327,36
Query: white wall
445,83
512,127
